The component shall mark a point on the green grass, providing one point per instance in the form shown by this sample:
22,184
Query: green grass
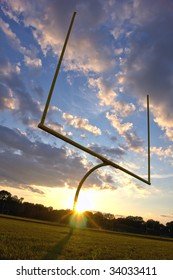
27,239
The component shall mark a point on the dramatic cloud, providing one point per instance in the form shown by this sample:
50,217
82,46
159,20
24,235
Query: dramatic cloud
148,65
146,31
44,19
27,163
117,53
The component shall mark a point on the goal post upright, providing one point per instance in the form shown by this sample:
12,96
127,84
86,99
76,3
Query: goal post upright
57,70
148,130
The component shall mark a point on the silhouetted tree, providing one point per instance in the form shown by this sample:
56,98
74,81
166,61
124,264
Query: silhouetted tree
153,227
13,205
4,199
136,222
4,195
169,226
99,219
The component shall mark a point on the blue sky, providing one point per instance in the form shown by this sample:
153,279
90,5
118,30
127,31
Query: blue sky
118,52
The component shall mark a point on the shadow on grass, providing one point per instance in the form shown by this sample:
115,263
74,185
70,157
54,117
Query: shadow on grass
57,249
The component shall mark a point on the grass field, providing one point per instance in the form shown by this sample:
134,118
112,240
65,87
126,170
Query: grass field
29,240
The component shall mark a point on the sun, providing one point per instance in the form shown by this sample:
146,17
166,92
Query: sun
80,208
84,203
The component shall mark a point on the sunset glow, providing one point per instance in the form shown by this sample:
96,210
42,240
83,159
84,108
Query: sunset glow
81,207
118,53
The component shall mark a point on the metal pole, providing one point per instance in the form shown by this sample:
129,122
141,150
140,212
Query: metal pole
57,70
83,180
148,121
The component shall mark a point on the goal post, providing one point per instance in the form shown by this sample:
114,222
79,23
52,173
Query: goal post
105,161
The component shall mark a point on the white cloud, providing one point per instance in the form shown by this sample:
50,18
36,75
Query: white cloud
123,109
163,119
36,62
81,123
124,129
117,123
107,97
164,153
29,55
59,128
106,94
162,176
7,100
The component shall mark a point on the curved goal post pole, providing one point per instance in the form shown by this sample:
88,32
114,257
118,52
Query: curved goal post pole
106,164
83,180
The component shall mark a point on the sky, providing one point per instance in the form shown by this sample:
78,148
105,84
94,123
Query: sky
118,52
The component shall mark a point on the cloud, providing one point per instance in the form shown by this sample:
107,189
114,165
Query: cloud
36,62
92,53
33,163
33,189
106,94
108,97
119,110
162,176
7,100
105,151
9,14
5,27
59,128
14,95
29,54
167,216
81,123
163,153
143,26
148,67
116,122
18,6
134,143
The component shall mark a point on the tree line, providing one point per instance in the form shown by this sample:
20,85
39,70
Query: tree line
12,205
